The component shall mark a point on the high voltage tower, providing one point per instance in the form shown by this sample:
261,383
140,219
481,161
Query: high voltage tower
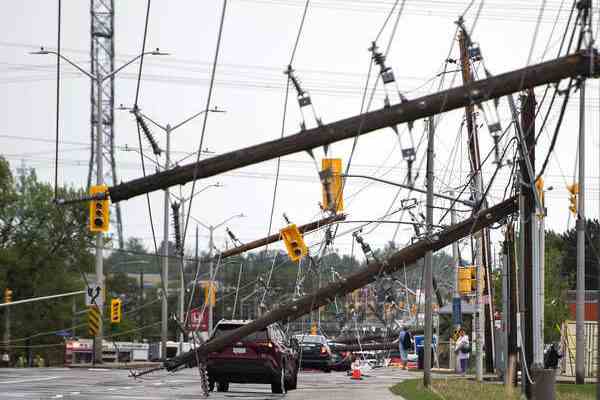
102,52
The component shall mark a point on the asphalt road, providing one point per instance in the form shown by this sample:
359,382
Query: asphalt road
84,384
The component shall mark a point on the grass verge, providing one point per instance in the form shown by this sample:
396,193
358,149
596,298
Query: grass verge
455,389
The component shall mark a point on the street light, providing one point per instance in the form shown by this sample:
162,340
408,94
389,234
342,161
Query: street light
211,229
98,79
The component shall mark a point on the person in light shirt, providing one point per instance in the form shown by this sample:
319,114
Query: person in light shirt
463,351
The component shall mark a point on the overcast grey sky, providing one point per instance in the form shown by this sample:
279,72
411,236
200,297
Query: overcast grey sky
332,61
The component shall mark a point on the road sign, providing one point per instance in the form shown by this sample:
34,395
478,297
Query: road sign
456,311
93,295
94,320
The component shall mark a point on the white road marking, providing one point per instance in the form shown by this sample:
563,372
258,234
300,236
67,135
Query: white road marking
48,378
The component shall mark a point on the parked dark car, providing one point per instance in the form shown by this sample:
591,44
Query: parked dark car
263,357
315,352
341,359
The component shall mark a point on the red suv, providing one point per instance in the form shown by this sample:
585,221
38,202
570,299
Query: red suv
263,357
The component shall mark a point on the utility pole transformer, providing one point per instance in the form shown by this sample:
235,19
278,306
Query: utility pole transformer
102,52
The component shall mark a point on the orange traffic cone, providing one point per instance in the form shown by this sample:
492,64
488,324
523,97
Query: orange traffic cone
356,374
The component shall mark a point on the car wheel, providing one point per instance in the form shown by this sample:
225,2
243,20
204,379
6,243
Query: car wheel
222,386
279,385
327,369
211,385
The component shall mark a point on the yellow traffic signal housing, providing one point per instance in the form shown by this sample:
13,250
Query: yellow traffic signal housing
8,295
313,329
464,280
574,190
474,283
539,186
332,185
115,311
210,293
99,210
294,242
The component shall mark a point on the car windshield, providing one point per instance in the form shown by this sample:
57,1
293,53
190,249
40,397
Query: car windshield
224,328
310,339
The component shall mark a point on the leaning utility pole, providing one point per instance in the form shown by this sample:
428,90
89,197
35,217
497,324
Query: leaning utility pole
428,258
482,245
529,218
577,64
580,344
368,274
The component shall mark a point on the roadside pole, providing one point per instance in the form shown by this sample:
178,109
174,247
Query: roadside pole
428,259
165,260
100,235
580,351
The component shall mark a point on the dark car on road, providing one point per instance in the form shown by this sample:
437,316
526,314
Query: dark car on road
315,352
264,357
341,358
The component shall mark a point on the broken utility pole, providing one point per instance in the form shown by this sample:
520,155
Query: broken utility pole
369,274
494,87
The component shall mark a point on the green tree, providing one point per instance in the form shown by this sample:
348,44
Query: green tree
44,250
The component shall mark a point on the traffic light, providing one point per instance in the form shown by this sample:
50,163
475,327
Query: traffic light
464,280
539,186
474,283
574,190
332,185
99,209
8,295
294,242
115,311
210,293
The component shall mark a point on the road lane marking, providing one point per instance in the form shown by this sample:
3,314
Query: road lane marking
48,378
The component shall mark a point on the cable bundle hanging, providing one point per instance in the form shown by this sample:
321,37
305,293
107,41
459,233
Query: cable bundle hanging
390,86
149,136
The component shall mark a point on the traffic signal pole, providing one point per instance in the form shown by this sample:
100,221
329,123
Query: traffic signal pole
165,260
100,235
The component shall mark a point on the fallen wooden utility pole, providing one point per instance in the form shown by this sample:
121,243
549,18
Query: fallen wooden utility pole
390,345
494,87
274,238
367,275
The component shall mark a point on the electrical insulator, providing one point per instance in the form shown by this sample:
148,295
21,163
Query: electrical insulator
142,123
115,311
332,185
294,242
574,193
8,295
177,227
99,209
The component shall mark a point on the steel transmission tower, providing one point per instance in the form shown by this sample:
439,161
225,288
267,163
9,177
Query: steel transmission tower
102,52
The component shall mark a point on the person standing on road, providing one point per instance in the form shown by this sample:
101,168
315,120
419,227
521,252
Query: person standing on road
405,341
463,351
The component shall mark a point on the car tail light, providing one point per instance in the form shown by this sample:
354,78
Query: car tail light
265,346
324,351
